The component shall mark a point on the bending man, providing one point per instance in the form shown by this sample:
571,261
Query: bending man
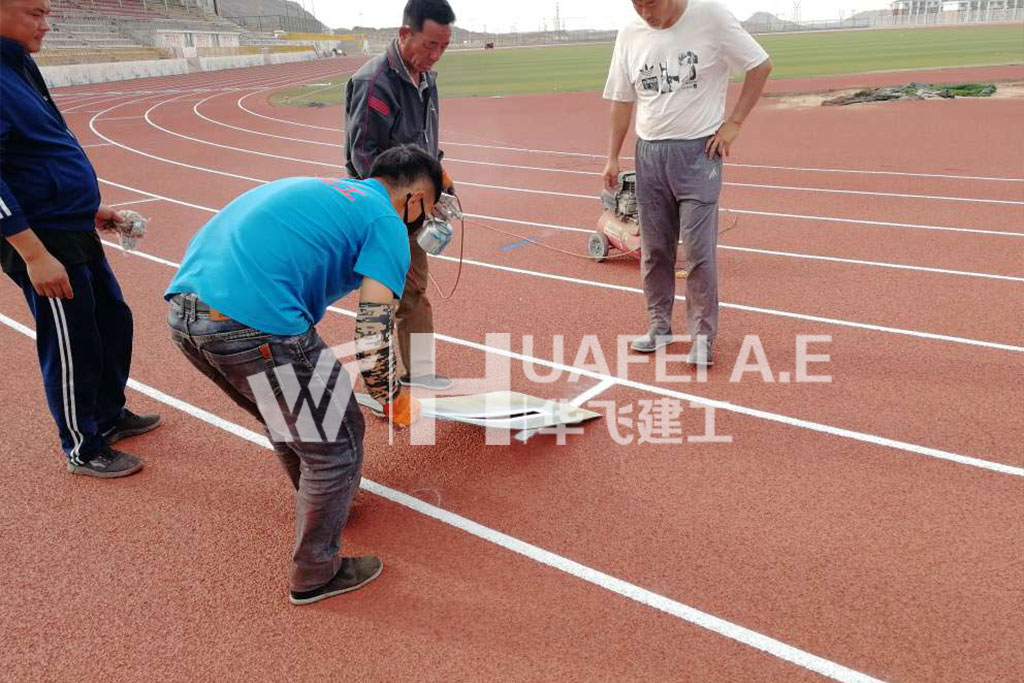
255,281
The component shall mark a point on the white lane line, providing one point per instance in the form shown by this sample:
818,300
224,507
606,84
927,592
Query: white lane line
671,393
96,144
137,201
157,196
866,193
92,127
601,157
245,150
822,190
592,393
804,169
631,591
584,155
809,425
786,254
198,113
882,224
749,309
875,264
796,216
741,307
293,124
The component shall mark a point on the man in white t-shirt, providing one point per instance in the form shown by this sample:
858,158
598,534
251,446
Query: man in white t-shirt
673,65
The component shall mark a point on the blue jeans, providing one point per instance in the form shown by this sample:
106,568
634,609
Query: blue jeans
324,470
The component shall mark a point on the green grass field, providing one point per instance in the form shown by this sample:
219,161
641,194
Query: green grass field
583,67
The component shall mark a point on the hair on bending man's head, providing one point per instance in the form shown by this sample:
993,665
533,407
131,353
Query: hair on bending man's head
407,164
418,11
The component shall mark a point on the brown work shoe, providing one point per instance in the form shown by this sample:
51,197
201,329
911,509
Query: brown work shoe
354,573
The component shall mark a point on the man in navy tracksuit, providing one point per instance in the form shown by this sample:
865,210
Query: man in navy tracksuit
49,212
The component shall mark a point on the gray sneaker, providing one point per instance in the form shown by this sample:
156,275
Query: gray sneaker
354,573
701,353
131,424
107,464
652,341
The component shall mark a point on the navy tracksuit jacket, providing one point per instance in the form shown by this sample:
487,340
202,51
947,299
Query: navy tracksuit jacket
48,185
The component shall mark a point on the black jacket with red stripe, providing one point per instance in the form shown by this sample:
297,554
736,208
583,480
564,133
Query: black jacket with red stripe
384,109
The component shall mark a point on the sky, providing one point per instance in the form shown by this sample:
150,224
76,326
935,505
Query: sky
534,15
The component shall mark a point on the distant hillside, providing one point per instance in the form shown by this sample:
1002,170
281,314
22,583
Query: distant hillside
266,8
766,21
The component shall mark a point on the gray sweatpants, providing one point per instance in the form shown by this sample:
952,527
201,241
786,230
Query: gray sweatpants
677,190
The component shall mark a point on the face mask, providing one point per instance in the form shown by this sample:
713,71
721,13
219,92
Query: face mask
415,225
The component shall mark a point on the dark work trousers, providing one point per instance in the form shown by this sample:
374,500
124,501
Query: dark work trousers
85,353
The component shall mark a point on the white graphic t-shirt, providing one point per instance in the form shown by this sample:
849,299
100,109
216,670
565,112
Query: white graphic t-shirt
678,75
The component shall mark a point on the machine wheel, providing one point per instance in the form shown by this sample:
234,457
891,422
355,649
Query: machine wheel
598,246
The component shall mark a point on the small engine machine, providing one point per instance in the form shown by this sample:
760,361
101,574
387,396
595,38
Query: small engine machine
619,225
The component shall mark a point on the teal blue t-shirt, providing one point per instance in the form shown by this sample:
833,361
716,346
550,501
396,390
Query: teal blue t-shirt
276,257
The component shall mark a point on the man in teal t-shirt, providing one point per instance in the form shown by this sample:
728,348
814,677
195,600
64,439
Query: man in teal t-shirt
277,256
255,281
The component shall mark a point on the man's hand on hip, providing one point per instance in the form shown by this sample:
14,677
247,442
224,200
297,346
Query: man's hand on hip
721,141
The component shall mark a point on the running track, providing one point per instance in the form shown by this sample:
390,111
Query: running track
867,527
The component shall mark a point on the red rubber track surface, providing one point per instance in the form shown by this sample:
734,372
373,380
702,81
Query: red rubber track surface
874,521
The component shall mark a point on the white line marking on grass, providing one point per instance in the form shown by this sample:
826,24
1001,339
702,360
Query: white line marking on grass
631,591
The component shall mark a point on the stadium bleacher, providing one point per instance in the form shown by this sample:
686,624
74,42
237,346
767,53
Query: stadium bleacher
84,31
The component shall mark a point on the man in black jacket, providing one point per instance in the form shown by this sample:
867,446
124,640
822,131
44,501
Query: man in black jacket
49,212
392,100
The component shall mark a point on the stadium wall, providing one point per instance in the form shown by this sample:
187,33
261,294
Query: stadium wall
84,74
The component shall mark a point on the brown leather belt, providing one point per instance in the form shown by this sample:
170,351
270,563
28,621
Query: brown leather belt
215,315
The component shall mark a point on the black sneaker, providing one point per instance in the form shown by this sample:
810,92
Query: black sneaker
354,573
131,424
432,382
107,464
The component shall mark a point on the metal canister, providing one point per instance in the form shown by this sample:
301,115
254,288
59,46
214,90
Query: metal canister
434,236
